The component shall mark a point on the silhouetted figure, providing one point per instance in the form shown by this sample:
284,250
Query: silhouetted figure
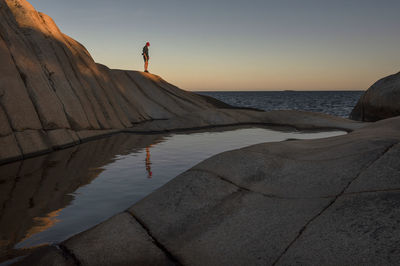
148,163
146,56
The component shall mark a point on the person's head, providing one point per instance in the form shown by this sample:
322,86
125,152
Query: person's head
147,44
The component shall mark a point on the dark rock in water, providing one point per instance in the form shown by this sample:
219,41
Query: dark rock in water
380,101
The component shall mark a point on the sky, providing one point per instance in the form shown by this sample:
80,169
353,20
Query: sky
240,45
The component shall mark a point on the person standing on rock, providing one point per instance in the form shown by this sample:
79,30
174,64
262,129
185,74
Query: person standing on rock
146,56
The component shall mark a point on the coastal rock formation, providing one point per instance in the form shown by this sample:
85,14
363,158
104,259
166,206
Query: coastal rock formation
332,201
328,201
380,101
53,95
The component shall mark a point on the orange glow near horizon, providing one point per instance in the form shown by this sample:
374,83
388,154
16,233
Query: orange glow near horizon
236,46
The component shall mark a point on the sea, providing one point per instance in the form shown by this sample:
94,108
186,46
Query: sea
338,103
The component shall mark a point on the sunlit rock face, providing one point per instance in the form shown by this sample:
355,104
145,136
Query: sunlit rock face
380,101
51,89
53,95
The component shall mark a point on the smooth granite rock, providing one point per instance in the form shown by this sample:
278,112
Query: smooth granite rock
14,97
359,229
332,201
64,55
384,174
329,201
49,83
203,220
118,241
380,101
5,128
48,256
61,89
298,169
9,149
299,120
19,21
33,142
61,138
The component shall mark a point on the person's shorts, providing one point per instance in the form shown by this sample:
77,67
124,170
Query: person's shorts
144,58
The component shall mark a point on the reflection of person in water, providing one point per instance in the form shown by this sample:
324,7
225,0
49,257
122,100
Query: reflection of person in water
148,162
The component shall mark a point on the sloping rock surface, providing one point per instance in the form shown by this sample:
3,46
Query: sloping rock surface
51,89
332,201
53,95
380,101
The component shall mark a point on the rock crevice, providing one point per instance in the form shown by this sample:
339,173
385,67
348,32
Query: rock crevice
68,254
330,204
155,241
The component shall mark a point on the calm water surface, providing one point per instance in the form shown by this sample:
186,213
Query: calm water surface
50,198
338,103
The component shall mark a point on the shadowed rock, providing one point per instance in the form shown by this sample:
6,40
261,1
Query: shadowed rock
332,201
380,101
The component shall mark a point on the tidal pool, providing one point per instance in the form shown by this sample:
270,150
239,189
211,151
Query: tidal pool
52,197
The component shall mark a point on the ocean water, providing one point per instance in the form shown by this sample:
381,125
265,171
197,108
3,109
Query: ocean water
338,103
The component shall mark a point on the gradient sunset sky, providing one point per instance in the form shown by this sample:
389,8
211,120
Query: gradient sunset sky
240,45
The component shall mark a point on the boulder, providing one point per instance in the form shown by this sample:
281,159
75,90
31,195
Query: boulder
380,101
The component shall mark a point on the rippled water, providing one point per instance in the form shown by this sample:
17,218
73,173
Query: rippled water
50,198
338,103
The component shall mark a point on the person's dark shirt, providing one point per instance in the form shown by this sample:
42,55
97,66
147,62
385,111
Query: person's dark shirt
146,51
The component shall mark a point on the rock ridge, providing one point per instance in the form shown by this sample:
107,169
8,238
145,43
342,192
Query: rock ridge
54,95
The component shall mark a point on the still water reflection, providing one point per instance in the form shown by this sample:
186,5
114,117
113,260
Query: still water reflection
49,198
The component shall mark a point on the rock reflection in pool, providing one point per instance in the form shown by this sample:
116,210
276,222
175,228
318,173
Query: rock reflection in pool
49,198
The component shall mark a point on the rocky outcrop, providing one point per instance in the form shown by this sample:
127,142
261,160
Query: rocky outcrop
52,93
328,201
380,101
332,201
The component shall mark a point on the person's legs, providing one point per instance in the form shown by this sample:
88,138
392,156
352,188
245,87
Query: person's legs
146,64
